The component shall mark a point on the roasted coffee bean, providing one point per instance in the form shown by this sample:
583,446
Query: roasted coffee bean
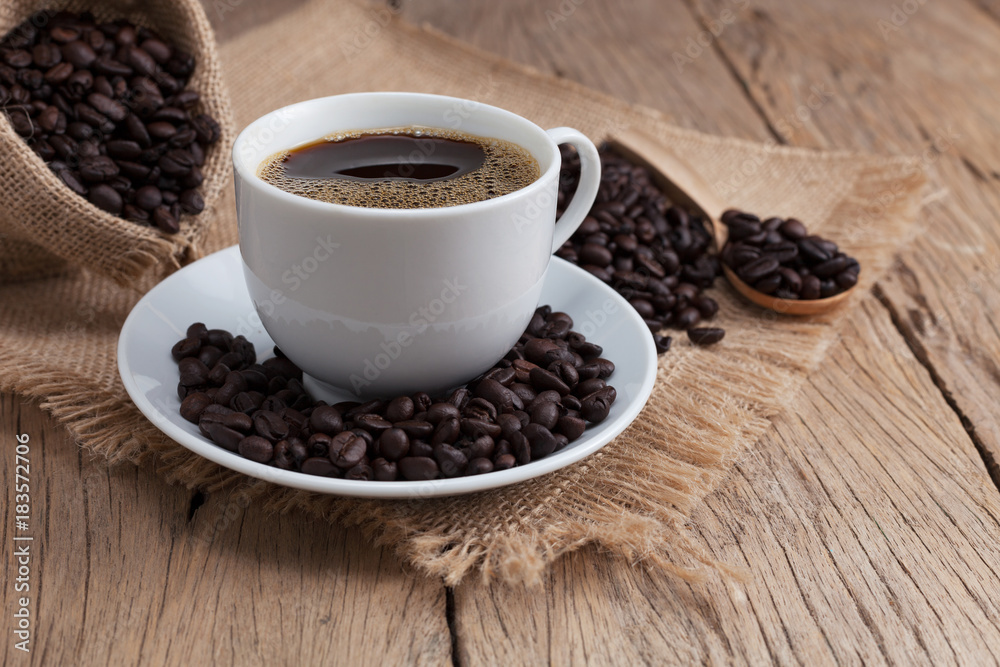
165,220
504,462
394,444
439,412
706,335
758,268
107,106
479,466
140,61
372,423
79,53
347,449
158,50
467,426
830,267
793,229
361,471
847,279
416,428
768,284
480,408
497,394
186,347
73,82
98,169
545,413
221,435
446,432
571,427
192,372
270,425
451,461
385,471
320,444
662,343
148,197
194,405
813,252
320,466
207,128
784,252
418,468
546,380
789,263
256,448
459,398
476,428
595,407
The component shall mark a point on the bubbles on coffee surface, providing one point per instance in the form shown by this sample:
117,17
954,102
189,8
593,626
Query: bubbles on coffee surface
408,167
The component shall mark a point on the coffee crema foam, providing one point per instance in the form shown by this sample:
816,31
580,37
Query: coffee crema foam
506,168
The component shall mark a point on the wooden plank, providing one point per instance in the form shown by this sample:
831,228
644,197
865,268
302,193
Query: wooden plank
869,530
122,576
623,48
828,534
917,78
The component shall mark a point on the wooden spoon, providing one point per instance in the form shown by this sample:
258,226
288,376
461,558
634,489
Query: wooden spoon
684,186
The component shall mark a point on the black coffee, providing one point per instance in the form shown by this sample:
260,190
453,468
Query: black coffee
413,167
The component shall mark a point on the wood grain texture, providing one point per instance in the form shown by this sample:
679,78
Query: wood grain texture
841,569
865,520
123,576
869,531
921,81
599,43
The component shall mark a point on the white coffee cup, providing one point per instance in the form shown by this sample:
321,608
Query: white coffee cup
382,302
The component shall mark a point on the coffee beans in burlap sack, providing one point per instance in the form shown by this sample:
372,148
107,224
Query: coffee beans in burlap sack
46,227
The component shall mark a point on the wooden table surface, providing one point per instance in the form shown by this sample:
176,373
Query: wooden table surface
867,519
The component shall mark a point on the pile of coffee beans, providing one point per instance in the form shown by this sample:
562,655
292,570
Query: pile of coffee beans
105,105
536,400
656,255
779,257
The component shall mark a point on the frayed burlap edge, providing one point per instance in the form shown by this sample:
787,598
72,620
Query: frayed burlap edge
618,500
630,499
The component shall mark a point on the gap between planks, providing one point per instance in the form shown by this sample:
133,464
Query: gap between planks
992,465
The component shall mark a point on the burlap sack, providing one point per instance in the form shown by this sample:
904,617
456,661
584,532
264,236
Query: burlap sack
632,498
46,228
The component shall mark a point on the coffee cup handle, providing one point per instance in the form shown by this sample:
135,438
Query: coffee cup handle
590,179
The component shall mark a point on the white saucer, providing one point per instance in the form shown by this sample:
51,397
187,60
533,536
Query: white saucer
212,291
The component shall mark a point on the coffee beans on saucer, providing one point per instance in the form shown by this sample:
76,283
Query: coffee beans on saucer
106,106
535,401
655,254
779,257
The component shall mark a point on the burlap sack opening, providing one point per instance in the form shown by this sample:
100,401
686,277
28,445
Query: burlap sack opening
45,228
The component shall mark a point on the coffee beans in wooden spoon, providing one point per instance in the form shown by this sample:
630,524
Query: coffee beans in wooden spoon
780,258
